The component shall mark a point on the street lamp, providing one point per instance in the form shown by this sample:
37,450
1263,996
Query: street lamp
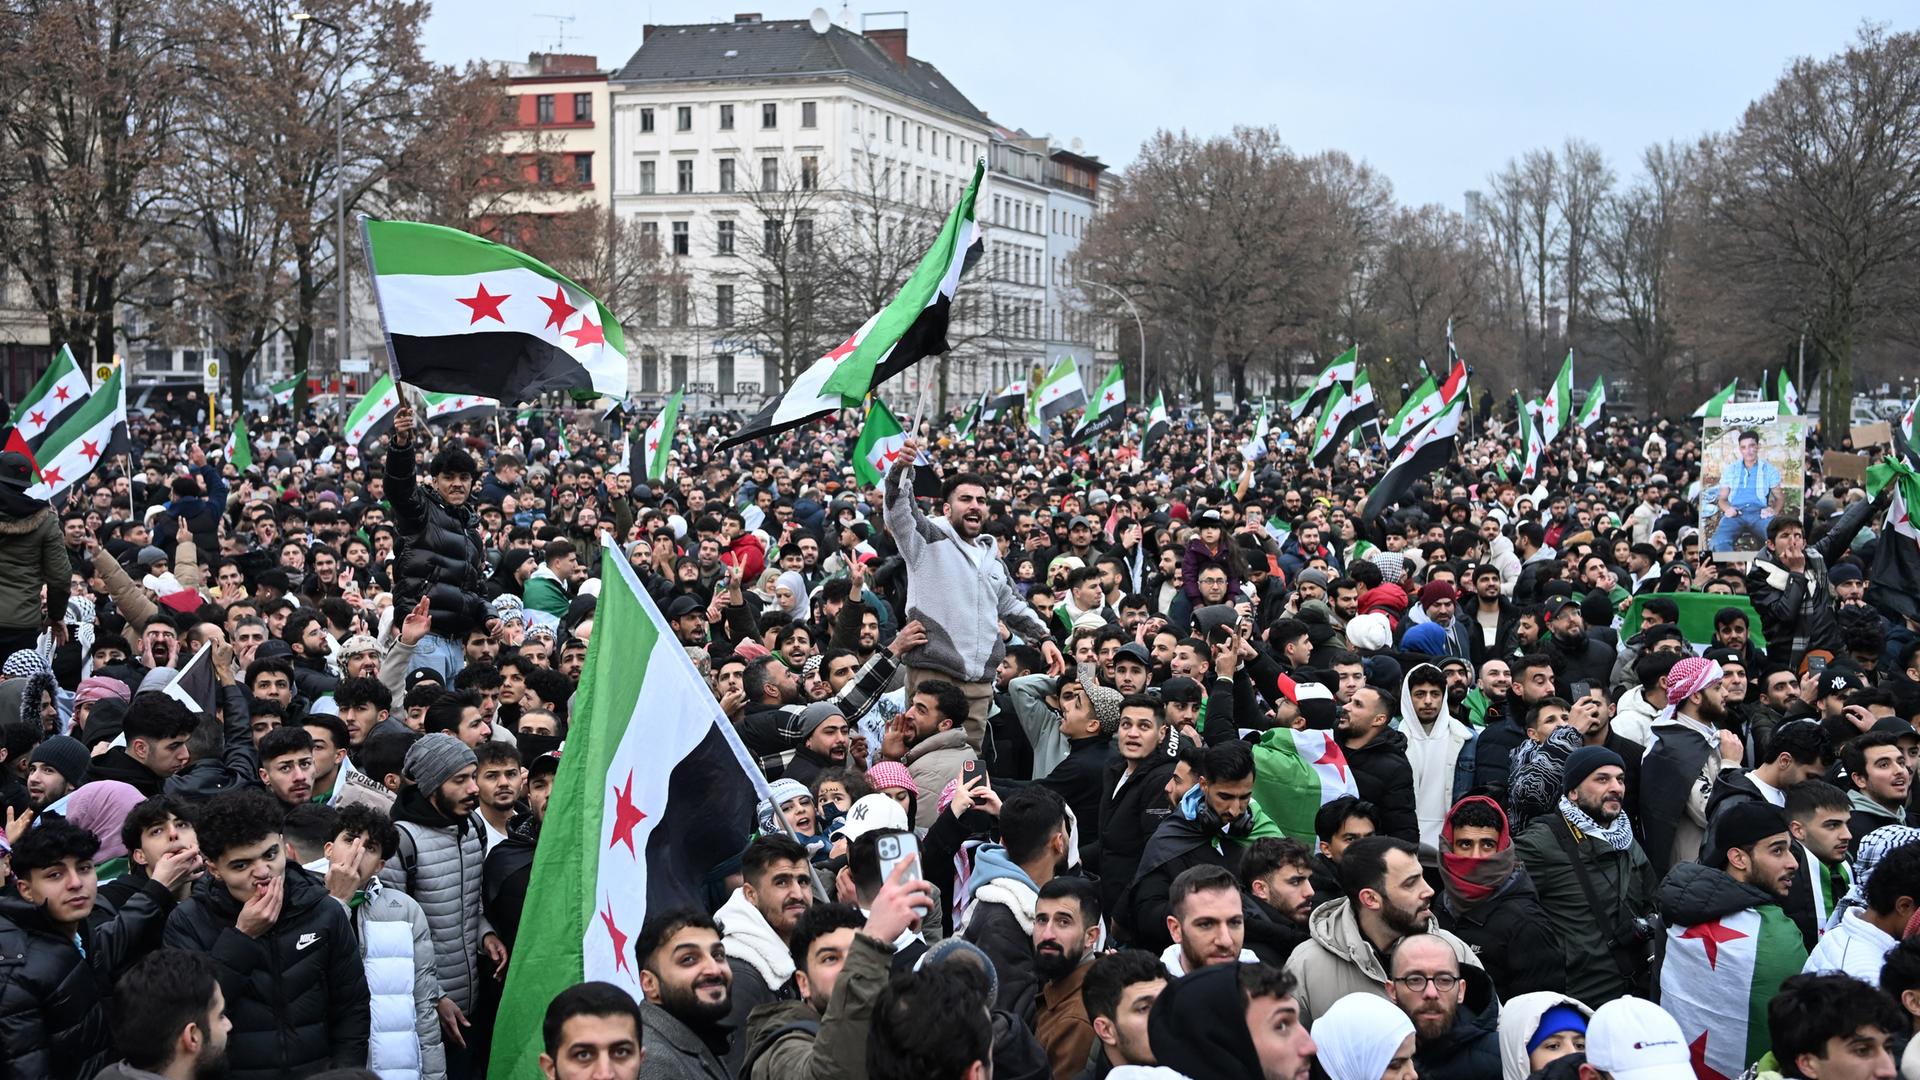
343,333
1138,325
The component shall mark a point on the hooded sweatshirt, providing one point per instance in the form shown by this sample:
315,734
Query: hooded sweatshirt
1519,1021
1198,1027
1435,758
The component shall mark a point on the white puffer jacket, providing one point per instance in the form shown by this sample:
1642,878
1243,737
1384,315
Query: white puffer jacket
397,948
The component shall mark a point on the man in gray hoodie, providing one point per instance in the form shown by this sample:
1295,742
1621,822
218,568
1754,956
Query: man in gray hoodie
958,588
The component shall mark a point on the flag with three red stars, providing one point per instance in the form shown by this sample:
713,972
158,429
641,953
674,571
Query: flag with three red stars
453,408
468,316
1296,772
654,792
60,391
83,440
1105,410
1721,970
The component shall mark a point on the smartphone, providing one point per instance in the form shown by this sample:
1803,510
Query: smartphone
969,772
896,849
1816,665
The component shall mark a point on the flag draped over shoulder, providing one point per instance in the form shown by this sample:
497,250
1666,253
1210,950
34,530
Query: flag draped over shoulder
658,444
654,791
1107,409
83,439
373,416
468,316
1731,968
1295,773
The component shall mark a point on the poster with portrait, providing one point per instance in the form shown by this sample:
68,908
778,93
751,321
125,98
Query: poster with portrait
1752,470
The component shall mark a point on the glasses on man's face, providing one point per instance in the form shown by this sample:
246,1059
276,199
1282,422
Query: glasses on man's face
1417,984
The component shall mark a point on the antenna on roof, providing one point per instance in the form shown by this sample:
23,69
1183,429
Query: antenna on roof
819,22
560,24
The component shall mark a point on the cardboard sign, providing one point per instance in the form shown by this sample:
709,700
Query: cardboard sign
1878,433
1838,466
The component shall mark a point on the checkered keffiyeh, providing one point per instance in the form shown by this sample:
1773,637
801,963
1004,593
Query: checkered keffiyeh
1692,675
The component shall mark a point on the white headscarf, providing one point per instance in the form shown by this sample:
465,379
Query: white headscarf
1360,1036
797,585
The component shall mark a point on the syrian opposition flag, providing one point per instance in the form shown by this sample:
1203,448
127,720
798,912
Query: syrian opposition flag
654,791
452,408
1718,978
1896,558
1157,422
1059,393
1008,402
239,447
1713,405
1340,371
58,394
878,447
969,420
468,316
1255,448
1534,446
282,392
659,437
1296,772
1430,448
1345,413
193,685
83,439
373,416
1789,397
1595,403
1697,611
1556,410
1108,408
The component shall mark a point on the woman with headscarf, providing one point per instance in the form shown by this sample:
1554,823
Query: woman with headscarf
790,595
101,808
1364,1037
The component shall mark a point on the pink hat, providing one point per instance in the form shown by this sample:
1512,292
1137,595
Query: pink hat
890,774
99,688
1690,676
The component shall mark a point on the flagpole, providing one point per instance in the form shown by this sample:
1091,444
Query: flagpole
393,363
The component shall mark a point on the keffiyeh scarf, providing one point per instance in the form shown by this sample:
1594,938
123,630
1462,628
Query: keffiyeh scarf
1618,836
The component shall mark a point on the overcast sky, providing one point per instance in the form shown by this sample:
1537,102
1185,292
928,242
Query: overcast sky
1435,96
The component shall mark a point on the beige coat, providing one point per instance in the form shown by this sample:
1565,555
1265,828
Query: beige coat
1339,960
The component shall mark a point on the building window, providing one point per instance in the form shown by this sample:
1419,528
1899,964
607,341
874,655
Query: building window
723,306
803,235
809,114
583,168
543,108
919,137
770,235
683,176
679,370
543,169
726,118
949,148
649,370
769,373
809,173
582,107
723,232
889,128
646,177
726,174
683,118
770,306
724,361
681,304
680,238
650,234
769,115
769,174
646,121
649,305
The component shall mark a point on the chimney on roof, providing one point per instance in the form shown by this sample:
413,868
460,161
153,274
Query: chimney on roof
747,17
892,41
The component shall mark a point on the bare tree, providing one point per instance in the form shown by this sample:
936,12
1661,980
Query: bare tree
1429,276
1584,181
1635,249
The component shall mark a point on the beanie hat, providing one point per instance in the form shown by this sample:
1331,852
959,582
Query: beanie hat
1104,699
806,720
434,759
66,754
890,774
1582,762
1370,632
1559,1018
150,555
1436,590
1744,825
786,789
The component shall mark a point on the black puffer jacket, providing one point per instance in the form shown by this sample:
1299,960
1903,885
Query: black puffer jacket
1512,935
1470,1049
1127,818
297,996
53,1001
1385,779
439,555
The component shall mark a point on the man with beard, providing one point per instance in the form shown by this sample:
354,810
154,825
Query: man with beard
1487,617
1452,1007
1206,828
1502,728
1489,902
1207,922
828,739
1711,990
169,1020
1377,754
1279,876
1387,899
1459,680
1689,749
1577,655
776,889
1592,827
58,765
688,988
1066,927
1132,803
440,864
958,586
1795,753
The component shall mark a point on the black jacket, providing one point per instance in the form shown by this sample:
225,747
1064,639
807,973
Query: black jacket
311,677
1326,881
1080,780
1178,845
1508,618
1127,819
1470,1049
1493,758
1385,779
297,996
508,870
439,554
997,931
1512,935
118,764
53,1000
1779,605
1731,787
1271,935
1585,658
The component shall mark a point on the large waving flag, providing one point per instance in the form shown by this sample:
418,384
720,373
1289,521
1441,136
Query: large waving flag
878,446
1718,978
71,452
1346,412
282,392
1789,397
1295,773
373,416
53,398
468,316
1410,415
1896,558
1108,408
1059,393
1557,407
659,436
1157,422
1008,402
1340,371
654,791
1713,405
1596,402
1428,449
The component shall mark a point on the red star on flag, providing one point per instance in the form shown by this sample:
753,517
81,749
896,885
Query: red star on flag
844,348
558,310
386,401
1332,756
89,449
626,816
37,418
1425,409
51,476
1712,935
61,392
587,333
619,938
485,305
459,403
652,445
1697,1050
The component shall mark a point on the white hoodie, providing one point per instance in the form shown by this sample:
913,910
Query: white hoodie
1519,1019
750,938
1434,756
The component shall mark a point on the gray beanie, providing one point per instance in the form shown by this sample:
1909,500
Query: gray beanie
811,717
149,555
434,759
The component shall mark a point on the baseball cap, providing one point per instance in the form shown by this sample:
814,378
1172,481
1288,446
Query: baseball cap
870,812
1631,1038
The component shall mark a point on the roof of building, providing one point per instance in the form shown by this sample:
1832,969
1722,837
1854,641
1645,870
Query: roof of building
775,48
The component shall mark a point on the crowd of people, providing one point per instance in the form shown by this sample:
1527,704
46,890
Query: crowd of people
1090,760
